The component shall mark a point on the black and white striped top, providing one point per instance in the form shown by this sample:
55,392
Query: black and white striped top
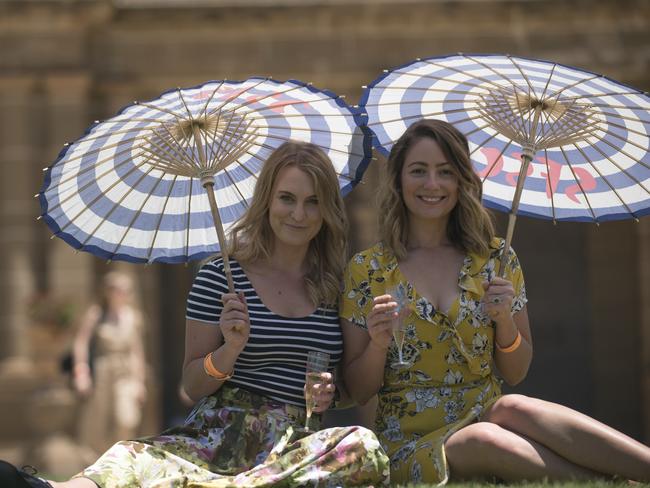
273,361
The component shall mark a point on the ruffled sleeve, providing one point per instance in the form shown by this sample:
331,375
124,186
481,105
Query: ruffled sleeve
356,298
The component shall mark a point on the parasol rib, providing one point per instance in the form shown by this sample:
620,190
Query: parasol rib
135,217
162,213
577,180
549,185
531,88
115,206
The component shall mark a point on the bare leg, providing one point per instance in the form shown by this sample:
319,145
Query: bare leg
572,435
484,449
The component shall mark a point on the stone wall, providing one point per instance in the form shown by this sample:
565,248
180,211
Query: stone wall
65,63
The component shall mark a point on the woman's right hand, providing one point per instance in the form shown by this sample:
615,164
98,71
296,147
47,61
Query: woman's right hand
234,320
380,321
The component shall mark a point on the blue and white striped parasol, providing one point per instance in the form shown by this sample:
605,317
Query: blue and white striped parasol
138,186
548,140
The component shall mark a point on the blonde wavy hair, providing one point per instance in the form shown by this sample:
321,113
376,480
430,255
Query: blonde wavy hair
251,239
470,227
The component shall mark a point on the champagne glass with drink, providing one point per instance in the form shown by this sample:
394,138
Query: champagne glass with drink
317,363
398,294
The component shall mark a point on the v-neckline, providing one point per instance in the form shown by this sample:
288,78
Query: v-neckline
454,307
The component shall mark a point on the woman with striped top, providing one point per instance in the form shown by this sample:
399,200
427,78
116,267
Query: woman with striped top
245,352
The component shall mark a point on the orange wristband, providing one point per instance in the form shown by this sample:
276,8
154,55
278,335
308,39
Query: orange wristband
210,370
512,347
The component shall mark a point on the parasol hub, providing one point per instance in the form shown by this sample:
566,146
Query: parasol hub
206,178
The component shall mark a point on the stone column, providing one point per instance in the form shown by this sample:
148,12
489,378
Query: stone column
19,208
69,274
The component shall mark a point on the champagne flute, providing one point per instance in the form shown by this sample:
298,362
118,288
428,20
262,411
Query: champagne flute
398,295
317,363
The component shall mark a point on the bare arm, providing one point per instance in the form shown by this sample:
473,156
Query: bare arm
82,379
514,365
365,350
498,298
225,342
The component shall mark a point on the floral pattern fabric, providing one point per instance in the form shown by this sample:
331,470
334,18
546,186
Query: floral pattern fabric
235,438
451,378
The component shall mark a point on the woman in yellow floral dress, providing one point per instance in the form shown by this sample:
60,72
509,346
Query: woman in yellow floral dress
442,413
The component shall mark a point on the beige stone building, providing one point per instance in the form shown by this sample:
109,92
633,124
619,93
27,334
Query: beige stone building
65,63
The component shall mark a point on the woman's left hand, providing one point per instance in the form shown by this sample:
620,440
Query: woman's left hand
323,392
498,297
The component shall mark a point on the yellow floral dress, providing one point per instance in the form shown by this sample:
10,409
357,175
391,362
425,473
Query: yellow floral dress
451,378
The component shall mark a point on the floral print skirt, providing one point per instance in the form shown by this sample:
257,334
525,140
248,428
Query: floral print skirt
237,438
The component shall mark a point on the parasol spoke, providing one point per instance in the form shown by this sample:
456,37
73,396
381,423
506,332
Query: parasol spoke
496,160
600,95
162,213
107,135
581,151
234,185
137,214
203,111
621,169
76,191
481,128
625,141
464,73
189,216
565,130
116,205
171,161
531,88
623,117
276,94
228,148
179,146
271,148
549,186
94,200
191,134
168,164
620,149
89,166
427,90
324,148
557,93
582,190
638,108
427,77
237,94
482,143
235,153
317,131
548,82
427,114
159,109
491,68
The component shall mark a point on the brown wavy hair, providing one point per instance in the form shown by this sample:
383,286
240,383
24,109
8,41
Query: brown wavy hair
251,238
470,227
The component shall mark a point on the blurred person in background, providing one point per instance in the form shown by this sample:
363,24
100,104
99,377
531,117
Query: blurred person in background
109,367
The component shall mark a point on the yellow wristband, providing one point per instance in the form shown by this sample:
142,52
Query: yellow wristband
210,370
512,347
